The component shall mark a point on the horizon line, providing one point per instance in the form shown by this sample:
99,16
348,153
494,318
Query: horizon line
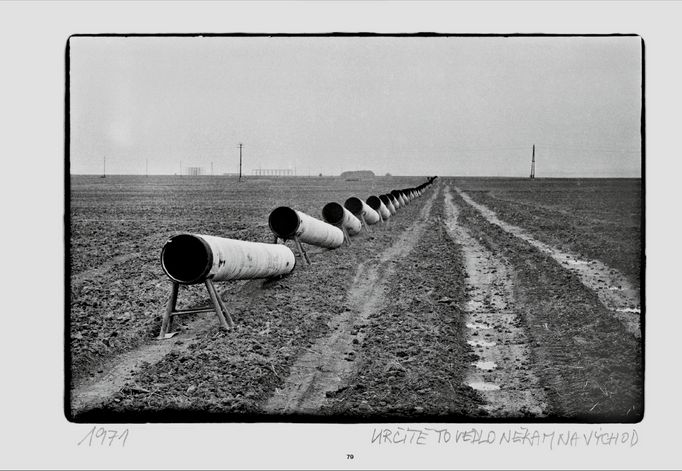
244,176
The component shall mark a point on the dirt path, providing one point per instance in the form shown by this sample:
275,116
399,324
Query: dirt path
611,286
91,393
503,373
332,359
94,392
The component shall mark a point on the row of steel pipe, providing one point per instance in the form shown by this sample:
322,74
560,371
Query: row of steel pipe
189,259
377,205
196,258
371,211
287,223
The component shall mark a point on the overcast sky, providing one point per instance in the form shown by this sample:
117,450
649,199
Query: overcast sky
408,105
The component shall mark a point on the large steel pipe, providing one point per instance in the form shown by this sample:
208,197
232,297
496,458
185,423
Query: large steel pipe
399,196
287,223
394,200
404,197
377,205
396,194
195,258
361,209
387,202
339,216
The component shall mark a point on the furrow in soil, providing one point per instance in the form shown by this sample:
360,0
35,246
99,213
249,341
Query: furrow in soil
613,289
331,359
502,373
91,394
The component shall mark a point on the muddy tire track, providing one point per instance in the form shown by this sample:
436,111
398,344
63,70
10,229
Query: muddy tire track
331,359
503,374
588,363
414,357
613,289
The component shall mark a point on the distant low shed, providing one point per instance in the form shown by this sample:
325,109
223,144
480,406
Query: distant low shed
358,175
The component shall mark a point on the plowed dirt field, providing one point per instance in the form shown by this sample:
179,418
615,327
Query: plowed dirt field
482,299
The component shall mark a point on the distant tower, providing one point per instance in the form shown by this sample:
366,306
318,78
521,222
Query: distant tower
240,161
532,164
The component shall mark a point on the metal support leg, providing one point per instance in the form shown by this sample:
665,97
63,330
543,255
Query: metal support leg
217,304
226,313
301,250
276,239
170,308
346,237
364,223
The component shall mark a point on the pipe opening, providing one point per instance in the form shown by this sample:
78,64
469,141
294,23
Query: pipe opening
384,199
186,258
374,203
333,213
284,222
354,205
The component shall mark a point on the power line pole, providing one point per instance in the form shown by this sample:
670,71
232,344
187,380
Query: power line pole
104,169
240,161
532,165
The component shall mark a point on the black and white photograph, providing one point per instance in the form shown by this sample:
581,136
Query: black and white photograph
355,228
340,235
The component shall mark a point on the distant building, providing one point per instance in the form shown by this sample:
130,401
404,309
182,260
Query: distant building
276,172
358,175
194,171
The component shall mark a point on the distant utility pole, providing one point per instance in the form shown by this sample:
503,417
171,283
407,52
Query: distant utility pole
240,161
104,169
532,164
